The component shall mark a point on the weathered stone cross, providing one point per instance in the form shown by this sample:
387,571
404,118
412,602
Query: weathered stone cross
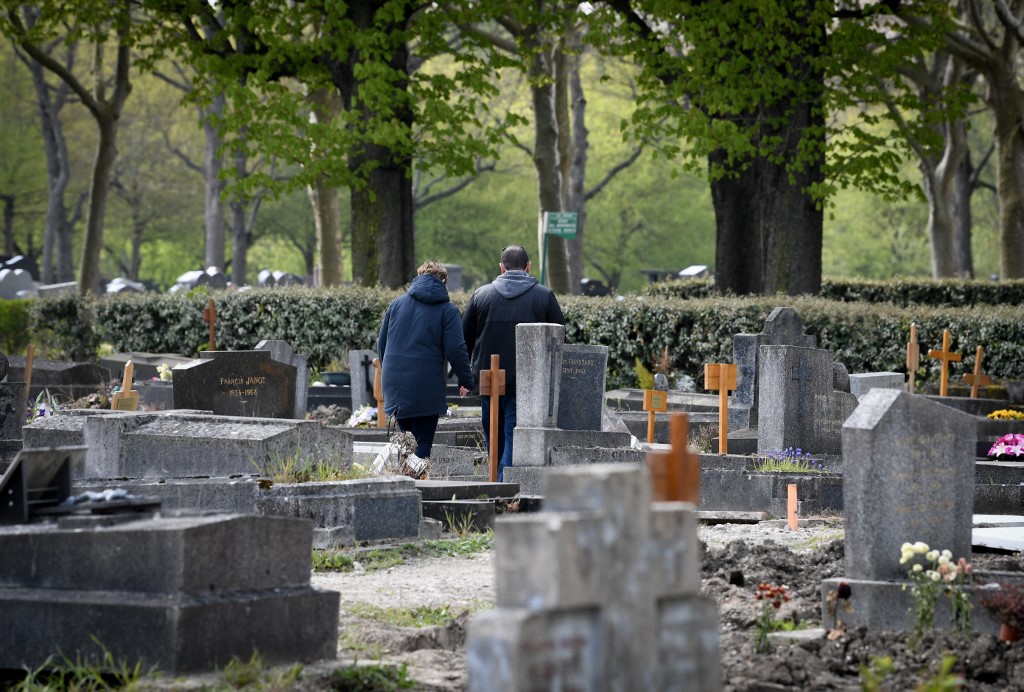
946,356
802,374
366,362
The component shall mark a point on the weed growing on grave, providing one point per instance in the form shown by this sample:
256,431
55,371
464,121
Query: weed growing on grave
789,460
772,596
460,524
83,675
644,377
255,674
383,558
332,561
293,469
937,575
43,407
462,546
874,673
419,616
373,678
702,437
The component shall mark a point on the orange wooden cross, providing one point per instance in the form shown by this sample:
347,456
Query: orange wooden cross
492,384
378,394
946,356
791,507
913,357
721,376
655,401
978,379
126,399
29,357
675,474
210,317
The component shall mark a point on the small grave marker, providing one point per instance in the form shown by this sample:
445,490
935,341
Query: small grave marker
30,356
492,384
127,399
913,358
946,356
791,507
655,401
378,393
721,376
675,474
210,317
978,379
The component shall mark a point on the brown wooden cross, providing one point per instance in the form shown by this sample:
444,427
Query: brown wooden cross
791,507
913,358
29,357
978,379
721,376
492,384
378,394
655,401
126,399
946,356
210,317
675,474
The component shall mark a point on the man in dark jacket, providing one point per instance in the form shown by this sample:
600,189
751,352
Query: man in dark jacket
421,330
489,327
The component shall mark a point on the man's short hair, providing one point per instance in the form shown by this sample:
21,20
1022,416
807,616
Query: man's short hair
514,257
435,269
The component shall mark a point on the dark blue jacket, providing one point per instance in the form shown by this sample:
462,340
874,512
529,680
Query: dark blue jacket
421,331
489,325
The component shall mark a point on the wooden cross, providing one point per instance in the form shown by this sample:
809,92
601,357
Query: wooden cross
675,474
913,358
126,399
492,384
210,317
29,357
946,356
791,507
378,394
655,401
721,376
978,379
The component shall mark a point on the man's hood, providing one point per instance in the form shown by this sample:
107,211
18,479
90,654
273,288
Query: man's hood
514,283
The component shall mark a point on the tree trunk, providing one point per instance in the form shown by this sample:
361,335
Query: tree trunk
962,216
1006,101
939,191
546,161
383,248
8,201
576,197
103,165
323,197
213,162
739,246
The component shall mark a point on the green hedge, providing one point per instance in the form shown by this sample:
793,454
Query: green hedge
325,323
903,292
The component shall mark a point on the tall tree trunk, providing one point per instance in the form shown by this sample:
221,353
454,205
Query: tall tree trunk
103,165
1007,104
240,236
962,216
576,198
213,163
8,201
383,248
546,161
323,197
739,246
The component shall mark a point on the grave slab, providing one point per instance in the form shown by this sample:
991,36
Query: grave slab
1008,538
863,382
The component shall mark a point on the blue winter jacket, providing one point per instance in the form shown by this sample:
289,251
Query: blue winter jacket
421,330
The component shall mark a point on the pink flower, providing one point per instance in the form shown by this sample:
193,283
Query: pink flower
1010,445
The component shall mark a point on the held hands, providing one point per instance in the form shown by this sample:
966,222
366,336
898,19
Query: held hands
463,391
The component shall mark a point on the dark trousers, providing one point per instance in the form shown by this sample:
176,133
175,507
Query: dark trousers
423,429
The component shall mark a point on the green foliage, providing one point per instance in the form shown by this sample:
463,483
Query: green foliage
371,678
419,616
84,674
644,377
874,673
14,325
332,561
66,327
254,674
292,468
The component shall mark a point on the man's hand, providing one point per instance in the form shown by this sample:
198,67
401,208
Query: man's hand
463,391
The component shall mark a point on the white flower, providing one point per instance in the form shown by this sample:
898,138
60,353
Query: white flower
934,575
906,547
943,560
947,554
918,568
921,548
932,555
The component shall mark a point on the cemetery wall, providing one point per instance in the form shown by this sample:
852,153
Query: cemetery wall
325,323
912,291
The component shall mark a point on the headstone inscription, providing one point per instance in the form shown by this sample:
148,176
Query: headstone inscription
360,365
806,411
582,386
599,591
782,327
282,352
946,356
906,463
236,383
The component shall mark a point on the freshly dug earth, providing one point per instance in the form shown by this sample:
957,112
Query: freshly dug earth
735,559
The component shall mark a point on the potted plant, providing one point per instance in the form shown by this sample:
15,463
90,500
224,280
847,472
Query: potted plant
1007,605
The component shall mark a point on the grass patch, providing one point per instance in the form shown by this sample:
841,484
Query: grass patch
420,616
292,469
332,561
254,674
789,461
819,540
384,558
84,675
372,678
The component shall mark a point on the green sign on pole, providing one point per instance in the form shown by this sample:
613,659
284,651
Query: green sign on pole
561,224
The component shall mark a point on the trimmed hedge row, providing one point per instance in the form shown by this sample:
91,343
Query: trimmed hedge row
898,291
325,323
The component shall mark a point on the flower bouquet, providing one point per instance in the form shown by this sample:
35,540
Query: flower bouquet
1009,447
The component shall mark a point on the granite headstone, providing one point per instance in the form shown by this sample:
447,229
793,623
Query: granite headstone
582,386
236,383
360,367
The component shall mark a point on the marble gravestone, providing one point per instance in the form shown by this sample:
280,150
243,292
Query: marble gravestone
802,408
782,327
236,383
581,395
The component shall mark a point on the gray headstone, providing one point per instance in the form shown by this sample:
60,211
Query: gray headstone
360,367
266,278
538,369
840,377
58,373
236,383
863,382
16,283
282,352
216,278
796,387
908,474
287,279
582,383
782,327
598,591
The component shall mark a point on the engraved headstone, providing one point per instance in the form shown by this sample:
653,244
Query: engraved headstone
582,385
236,383
282,352
599,591
360,366
782,327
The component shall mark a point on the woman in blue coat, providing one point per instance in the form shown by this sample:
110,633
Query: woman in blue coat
422,330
